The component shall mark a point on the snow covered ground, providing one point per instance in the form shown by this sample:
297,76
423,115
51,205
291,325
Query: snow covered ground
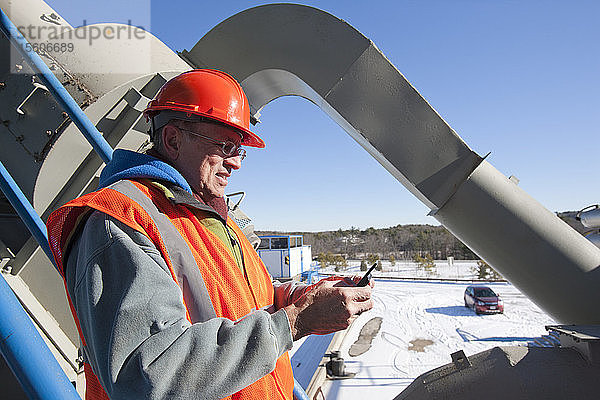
432,316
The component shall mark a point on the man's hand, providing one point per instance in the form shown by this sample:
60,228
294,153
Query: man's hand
328,306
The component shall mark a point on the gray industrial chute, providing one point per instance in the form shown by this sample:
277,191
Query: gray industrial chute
303,51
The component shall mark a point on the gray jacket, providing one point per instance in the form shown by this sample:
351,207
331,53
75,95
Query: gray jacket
138,340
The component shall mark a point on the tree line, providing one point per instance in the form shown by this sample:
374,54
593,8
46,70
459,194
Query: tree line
401,242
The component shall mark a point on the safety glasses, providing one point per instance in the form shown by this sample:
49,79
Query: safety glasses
228,148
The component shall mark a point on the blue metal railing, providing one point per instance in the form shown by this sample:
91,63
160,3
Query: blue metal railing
25,210
27,355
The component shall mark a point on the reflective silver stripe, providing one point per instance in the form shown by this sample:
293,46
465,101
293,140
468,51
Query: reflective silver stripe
189,278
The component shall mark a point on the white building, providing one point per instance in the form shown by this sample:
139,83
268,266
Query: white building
285,256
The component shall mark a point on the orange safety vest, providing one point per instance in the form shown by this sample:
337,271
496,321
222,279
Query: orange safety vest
233,293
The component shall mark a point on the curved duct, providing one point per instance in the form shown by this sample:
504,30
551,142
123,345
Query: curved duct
590,216
285,49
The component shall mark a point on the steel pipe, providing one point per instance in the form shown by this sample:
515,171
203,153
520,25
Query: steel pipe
25,352
25,210
591,217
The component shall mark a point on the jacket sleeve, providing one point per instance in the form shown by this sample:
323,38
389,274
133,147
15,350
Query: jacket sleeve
287,293
138,340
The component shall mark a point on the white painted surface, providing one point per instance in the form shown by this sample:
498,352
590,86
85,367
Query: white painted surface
306,257
295,261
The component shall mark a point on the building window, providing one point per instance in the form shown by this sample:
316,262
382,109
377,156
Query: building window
279,243
264,244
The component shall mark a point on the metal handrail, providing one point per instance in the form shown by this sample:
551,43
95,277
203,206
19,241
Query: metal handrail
25,210
25,352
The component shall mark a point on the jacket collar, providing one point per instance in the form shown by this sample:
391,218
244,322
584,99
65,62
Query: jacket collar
127,164
178,195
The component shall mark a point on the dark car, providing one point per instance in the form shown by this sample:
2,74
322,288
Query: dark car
482,299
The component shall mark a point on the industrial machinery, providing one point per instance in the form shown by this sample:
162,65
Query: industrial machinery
303,52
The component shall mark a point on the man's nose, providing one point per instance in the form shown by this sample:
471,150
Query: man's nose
235,162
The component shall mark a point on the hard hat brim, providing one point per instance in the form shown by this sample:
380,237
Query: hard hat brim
249,138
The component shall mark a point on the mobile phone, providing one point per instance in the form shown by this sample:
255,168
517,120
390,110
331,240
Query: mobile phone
364,281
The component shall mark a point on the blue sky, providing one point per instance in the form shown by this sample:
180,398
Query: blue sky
517,79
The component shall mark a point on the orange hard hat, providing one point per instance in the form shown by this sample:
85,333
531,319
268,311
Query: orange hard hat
204,93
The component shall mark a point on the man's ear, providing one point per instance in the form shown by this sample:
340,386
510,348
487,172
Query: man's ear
171,141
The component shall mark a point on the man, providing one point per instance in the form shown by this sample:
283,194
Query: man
170,298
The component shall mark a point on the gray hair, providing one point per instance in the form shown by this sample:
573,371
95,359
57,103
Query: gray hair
156,136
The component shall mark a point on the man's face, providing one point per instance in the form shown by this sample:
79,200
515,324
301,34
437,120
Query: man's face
203,163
